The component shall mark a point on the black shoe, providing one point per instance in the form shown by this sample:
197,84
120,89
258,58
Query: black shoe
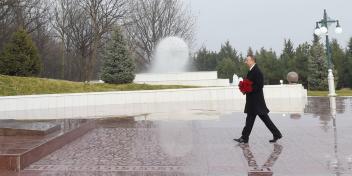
241,140
275,139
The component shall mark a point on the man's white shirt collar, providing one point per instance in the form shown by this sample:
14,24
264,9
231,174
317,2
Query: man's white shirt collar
252,67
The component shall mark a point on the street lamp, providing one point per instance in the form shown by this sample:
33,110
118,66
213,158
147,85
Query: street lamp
321,29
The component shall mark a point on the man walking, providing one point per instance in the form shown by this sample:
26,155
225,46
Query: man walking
255,103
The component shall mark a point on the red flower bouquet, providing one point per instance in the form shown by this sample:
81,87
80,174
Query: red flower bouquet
246,86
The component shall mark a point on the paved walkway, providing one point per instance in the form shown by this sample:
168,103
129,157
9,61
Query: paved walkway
135,146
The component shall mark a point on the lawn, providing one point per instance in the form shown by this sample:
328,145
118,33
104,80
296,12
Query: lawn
11,85
341,92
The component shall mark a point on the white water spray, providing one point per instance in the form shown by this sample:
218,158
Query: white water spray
171,56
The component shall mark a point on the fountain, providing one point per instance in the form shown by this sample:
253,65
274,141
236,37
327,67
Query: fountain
169,67
172,55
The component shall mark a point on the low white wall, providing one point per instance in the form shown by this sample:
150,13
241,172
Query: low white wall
134,102
207,78
183,76
202,83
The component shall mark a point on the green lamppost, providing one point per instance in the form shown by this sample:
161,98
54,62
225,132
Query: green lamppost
322,28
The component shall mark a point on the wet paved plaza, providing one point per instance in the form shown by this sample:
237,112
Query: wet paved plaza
317,142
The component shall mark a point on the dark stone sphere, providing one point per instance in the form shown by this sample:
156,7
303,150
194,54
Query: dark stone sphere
292,77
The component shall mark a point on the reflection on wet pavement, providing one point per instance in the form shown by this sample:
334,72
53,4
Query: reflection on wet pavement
316,142
266,168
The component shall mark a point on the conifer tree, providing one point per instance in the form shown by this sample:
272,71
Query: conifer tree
339,60
301,63
317,67
287,58
20,56
118,66
349,63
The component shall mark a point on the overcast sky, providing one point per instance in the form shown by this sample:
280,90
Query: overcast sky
265,23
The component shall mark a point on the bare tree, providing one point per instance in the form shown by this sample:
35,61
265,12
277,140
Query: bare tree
28,14
60,23
6,20
72,43
103,14
34,16
83,24
152,20
5,8
31,14
81,35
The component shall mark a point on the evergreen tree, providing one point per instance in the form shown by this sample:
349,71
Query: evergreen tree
243,67
20,56
301,63
205,60
340,62
316,39
317,67
118,66
269,65
250,51
227,51
287,58
349,64
226,69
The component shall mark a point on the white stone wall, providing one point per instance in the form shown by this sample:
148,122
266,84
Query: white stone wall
101,104
201,83
208,78
208,75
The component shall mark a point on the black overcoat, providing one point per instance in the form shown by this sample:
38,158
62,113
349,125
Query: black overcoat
255,103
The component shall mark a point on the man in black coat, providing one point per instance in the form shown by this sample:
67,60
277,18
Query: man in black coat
255,103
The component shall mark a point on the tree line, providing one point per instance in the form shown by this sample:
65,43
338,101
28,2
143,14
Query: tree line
69,38
307,59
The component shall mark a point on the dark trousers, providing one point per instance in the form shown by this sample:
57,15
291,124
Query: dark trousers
250,122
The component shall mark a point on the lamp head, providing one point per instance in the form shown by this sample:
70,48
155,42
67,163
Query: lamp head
324,30
338,29
317,30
